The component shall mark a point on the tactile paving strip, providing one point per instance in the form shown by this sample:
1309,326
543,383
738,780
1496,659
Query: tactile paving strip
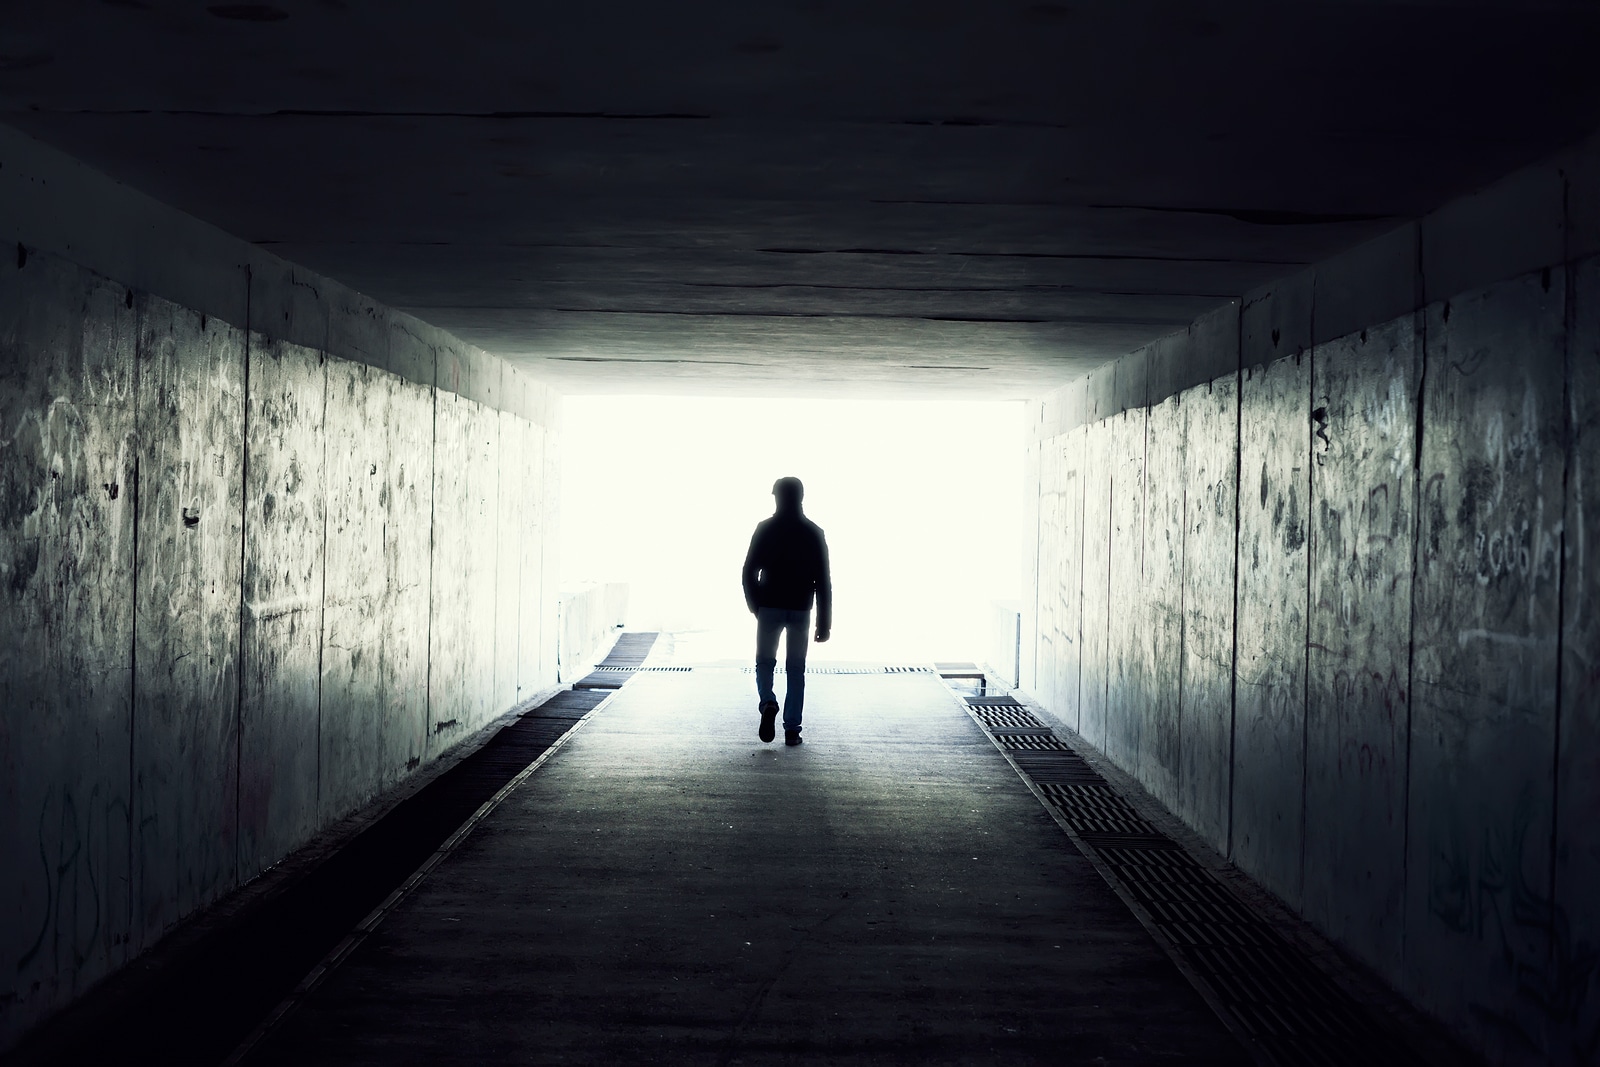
1286,1010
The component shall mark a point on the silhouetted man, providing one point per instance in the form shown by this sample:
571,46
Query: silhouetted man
786,567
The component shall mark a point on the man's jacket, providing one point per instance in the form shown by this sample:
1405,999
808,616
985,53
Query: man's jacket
787,566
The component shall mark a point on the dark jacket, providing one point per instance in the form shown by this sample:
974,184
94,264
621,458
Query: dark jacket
787,565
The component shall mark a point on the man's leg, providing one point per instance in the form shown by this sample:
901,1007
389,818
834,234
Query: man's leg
769,624
797,635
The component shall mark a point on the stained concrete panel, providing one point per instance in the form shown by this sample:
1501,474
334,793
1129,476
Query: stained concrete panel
453,366
1031,532
483,564
1484,690
1375,282
1214,343
1166,496
450,604
550,602
411,355
1577,905
282,619
512,493
1052,535
1061,585
1128,628
1275,322
355,587
533,672
186,690
67,497
1210,553
1172,365
1269,711
407,547
1092,673
1364,427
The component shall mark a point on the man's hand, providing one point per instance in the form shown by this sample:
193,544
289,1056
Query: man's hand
822,636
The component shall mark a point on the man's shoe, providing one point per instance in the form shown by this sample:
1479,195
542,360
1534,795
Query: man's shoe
769,713
791,737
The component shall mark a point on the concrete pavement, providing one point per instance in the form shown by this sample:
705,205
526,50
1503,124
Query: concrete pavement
669,890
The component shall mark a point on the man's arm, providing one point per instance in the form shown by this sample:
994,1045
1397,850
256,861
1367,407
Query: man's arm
824,592
752,566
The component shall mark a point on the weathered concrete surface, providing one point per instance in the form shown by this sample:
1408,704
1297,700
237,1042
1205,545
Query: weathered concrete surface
550,621
1061,571
67,499
454,521
1210,474
123,570
483,590
1128,630
407,549
1032,545
1575,1015
512,490
284,508
533,673
1096,582
887,892
355,588
1269,709
186,690
1364,431
1166,499
1485,635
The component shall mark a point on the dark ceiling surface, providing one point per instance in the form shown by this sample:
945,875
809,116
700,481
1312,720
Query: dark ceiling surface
826,197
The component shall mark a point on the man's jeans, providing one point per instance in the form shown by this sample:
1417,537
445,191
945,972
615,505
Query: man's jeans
769,623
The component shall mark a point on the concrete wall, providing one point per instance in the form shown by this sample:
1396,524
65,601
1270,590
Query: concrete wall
1315,572
266,548
589,614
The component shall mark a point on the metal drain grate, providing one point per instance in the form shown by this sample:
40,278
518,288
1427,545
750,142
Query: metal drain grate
1033,740
1268,993
1008,719
1057,768
998,701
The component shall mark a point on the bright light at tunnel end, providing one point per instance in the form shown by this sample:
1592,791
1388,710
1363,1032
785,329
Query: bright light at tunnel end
921,502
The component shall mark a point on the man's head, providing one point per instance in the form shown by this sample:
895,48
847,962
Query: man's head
788,492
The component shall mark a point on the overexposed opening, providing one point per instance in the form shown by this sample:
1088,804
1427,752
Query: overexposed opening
921,502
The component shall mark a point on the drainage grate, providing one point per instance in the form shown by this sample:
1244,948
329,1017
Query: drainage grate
997,701
630,650
1032,740
1008,719
1274,999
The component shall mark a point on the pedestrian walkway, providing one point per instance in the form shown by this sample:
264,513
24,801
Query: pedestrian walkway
666,889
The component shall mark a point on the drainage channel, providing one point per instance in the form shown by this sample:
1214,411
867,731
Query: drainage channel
211,1002
1281,1006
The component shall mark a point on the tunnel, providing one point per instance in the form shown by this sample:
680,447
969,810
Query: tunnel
1283,749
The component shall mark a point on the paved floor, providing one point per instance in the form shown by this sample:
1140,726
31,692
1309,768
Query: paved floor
666,889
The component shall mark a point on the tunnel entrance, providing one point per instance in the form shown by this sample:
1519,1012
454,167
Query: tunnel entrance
921,502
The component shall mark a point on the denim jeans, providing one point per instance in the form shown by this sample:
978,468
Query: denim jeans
770,622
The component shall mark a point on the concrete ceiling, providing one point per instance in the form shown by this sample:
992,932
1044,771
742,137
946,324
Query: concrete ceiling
815,196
